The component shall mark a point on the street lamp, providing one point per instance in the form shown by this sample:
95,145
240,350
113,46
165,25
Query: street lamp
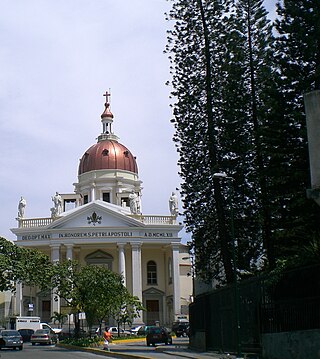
192,274
224,176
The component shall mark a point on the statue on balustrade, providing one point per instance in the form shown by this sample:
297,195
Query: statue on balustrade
21,207
173,204
57,201
134,203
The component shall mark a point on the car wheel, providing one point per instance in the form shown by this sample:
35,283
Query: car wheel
166,343
20,348
33,343
148,344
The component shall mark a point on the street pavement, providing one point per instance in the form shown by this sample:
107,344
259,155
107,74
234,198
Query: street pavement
134,349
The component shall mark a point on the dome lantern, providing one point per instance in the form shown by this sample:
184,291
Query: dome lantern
108,169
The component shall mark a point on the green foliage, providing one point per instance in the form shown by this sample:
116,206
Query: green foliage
29,266
221,70
58,317
94,290
128,308
83,342
238,108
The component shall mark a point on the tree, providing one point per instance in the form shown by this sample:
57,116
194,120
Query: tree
94,290
221,52
127,309
194,46
29,266
58,317
298,63
248,77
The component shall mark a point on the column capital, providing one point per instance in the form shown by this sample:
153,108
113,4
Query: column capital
175,246
136,245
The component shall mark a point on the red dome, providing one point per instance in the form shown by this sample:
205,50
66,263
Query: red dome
107,154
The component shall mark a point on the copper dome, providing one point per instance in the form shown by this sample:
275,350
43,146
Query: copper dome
107,154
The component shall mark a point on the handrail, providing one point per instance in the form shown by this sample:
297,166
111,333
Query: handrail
149,219
34,222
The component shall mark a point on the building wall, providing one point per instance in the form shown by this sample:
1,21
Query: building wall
292,345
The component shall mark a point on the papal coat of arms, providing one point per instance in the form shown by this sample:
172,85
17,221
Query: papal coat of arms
94,219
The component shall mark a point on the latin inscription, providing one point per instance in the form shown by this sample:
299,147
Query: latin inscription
158,235
95,234
36,236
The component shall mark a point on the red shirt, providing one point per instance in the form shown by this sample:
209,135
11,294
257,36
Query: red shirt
106,335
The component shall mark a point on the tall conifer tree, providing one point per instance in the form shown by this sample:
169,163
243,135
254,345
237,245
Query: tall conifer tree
297,58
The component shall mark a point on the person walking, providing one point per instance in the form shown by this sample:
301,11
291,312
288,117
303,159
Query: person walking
106,339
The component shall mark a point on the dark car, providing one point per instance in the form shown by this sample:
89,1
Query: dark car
44,336
11,339
158,335
26,334
180,329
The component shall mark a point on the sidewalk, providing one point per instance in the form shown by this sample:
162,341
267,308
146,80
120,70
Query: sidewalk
179,351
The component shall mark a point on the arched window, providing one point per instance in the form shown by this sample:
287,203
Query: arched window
151,273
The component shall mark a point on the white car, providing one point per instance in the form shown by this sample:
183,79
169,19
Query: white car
135,330
114,331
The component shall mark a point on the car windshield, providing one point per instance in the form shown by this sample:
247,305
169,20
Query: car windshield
42,331
10,333
155,330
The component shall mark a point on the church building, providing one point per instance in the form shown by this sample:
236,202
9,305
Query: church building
102,223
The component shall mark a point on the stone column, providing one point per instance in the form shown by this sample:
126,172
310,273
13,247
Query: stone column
19,298
122,262
312,107
69,254
176,279
55,257
93,192
136,276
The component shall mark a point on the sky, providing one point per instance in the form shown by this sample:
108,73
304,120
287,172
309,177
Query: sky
57,58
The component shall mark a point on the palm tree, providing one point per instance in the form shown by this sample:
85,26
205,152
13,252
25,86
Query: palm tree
58,317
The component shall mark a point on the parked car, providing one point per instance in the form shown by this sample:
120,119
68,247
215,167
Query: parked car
143,330
26,334
114,331
157,335
44,336
180,328
11,339
135,330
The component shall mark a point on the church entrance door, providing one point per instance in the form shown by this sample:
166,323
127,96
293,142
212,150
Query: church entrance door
153,313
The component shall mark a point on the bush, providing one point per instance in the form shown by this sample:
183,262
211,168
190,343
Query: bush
83,342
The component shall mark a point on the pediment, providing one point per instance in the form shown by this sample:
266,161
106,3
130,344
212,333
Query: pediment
153,292
95,214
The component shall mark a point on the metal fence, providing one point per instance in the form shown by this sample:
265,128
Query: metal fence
289,303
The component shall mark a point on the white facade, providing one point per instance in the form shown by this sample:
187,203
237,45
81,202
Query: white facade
104,229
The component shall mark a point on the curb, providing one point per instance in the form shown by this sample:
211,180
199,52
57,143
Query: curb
103,352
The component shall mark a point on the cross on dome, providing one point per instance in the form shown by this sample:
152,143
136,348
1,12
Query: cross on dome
107,95
107,113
